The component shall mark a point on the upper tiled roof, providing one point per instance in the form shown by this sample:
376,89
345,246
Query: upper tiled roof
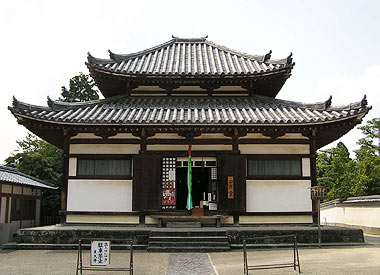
255,110
13,176
189,57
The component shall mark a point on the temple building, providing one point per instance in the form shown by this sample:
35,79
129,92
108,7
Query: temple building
253,156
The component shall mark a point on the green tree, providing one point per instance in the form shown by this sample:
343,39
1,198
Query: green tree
336,170
367,158
44,161
81,88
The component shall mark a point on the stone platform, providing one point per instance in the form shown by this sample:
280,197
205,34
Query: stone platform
180,239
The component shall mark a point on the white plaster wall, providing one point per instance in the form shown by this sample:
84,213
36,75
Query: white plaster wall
170,147
212,136
104,148
360,215
17,190
6,188
274,148
99,195
27,191
165,136
278,195
293,136
72,167
275,219
85,136
102,219
306,172
124,135
3,208
255,135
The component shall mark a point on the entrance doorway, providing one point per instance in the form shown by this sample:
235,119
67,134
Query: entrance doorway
200,186
203,182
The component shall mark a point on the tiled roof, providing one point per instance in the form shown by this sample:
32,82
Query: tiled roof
13,176
189,57
255,110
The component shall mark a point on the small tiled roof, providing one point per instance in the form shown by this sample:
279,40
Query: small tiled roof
250,111
13,176
192,57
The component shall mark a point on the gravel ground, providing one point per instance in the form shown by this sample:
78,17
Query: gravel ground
337,261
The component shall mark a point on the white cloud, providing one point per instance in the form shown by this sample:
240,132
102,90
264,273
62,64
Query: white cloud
347,89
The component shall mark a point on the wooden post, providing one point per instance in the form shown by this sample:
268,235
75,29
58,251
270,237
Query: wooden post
319,222
66,144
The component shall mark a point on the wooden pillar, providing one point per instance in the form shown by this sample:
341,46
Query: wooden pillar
66,144
313,169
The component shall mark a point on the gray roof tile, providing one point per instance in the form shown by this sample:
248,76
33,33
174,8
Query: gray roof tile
189,57
255,110
13,176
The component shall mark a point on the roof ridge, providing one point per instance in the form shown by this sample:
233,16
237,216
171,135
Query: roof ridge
122,57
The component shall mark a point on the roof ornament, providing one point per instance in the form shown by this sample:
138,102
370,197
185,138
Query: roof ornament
328,102
289,59
267,56
90,58
112,55
15,102
364,102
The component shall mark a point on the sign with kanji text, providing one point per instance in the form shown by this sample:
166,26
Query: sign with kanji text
230,187
318,193
100,253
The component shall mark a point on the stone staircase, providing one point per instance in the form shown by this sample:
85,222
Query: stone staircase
188,241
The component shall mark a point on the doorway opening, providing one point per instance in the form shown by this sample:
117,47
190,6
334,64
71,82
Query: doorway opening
203,183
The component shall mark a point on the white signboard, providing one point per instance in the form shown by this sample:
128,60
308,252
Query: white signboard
100,253
172,175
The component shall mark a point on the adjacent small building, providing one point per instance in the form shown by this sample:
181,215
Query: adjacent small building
253,155
20,201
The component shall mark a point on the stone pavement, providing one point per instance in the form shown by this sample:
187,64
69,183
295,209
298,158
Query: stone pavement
344,260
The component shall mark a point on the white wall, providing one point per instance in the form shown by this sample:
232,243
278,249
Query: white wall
3,208
278,196
99,195
274,148
104,148
361,215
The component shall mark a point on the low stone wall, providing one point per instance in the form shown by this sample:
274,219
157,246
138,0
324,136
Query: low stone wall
355,212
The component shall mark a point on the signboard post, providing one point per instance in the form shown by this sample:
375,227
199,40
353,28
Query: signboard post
100,255
318,193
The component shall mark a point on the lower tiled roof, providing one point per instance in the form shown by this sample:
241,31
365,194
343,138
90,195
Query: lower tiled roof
123,110
13,176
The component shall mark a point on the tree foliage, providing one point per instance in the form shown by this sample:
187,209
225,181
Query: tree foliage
81,88
347,177
44,161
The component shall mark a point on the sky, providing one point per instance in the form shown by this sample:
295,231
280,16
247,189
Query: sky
335,45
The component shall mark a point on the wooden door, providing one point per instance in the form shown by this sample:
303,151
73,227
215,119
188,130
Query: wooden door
232,166
146,182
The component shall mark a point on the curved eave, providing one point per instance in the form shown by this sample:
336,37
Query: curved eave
358,116
190,75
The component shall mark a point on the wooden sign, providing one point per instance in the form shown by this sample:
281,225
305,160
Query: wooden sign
318,193
100,253
230,187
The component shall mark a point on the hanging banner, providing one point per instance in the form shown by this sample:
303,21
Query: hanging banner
230,187
100,253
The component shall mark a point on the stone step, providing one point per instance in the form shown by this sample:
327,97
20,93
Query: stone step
189,239
192,224
53,246
183,233
189,244
187,249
